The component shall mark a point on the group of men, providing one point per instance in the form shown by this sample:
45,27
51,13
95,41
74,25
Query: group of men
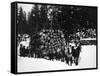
70,55
73,54
51,45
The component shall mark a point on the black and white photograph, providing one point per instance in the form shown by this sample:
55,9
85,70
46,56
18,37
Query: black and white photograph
52,37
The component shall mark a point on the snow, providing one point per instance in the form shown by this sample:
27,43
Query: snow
88,57
87,60
88,39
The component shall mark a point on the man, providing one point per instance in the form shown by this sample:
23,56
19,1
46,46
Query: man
75,53
69,56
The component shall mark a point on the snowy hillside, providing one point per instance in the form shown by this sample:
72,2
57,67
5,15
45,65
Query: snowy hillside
87,60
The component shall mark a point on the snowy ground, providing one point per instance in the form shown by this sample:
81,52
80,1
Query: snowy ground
88,39
87,60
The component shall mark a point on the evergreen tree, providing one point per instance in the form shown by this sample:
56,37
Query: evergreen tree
21,21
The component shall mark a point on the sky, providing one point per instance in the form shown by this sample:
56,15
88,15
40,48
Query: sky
26,7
